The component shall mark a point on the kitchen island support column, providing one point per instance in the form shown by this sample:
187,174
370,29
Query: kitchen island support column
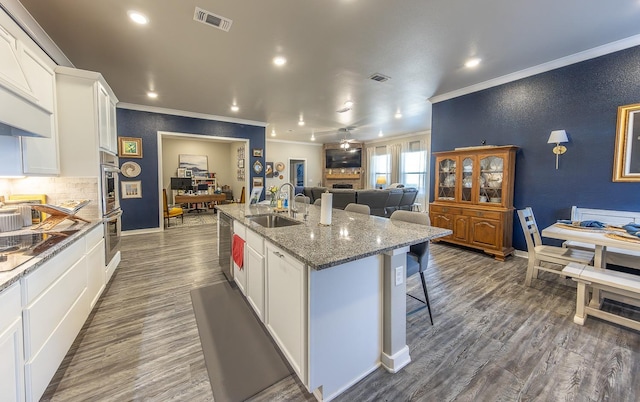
395,352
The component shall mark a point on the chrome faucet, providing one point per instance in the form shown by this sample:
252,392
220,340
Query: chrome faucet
292,203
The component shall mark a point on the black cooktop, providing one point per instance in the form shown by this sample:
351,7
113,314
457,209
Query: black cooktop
20,248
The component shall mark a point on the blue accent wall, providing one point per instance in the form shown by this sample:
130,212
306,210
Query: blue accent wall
582,99
142,213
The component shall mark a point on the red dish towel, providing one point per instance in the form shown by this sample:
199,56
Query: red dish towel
238,250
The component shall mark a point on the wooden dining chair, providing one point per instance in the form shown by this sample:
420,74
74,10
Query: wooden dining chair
172,212
539,252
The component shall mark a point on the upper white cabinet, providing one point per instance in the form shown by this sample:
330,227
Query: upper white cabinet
28,130
27,83
86,120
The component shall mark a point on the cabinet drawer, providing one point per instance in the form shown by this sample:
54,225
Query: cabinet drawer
47,311
93,237
482,214
36,282
240,229
445,210
11,307
255,241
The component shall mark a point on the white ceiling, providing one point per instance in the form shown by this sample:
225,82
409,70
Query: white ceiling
332,47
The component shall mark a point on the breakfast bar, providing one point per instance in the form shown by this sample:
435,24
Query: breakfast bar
333,296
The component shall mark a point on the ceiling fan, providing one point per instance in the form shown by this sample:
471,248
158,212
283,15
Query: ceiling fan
343,132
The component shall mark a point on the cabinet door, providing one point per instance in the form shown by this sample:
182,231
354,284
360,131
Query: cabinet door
286,305
486,233
12,360
113,129
95,272
461,228
446,179
442,220
466,179
104,105
40,155
491,179
255,281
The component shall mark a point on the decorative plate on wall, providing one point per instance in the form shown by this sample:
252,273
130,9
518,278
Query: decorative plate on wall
279,166
130,169
257,166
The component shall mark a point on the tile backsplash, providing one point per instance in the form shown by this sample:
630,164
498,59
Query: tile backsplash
57,190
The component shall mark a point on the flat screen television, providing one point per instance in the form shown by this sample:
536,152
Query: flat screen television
181,183
344,158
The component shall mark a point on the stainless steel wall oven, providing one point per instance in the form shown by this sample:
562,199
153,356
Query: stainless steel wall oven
111,212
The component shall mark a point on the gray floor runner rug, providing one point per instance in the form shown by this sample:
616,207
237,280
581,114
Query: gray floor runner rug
240,356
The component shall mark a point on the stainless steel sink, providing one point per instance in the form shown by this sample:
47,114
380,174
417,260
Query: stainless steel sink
273,221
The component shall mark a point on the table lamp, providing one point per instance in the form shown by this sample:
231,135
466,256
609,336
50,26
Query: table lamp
381,181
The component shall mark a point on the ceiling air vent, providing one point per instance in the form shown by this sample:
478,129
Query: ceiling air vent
209,18
379,77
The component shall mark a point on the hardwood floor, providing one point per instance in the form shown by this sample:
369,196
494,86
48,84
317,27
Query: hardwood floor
493,338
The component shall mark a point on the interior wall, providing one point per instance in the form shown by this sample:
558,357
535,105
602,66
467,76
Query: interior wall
582,99
219,156
281,151
238,184
143,213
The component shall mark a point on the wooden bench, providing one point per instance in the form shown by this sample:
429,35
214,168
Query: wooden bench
614,283
616,256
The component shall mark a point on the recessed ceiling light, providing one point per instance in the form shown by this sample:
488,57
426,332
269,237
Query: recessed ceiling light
234,108
380,133
472,63
137,17
152,94
398,115
301,123
279,61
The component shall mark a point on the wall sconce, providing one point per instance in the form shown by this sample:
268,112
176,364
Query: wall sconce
381,181
557,137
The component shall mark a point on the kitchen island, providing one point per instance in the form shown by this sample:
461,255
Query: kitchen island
332,297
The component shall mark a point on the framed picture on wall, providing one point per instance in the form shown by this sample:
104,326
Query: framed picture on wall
188,173
257,152
268,169
241,163
197,164
626,163
129,147
258,182
131,189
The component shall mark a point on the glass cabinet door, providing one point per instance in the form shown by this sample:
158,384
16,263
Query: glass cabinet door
491,175
447,179
467,179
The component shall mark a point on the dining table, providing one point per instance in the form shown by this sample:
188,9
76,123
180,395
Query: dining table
600,238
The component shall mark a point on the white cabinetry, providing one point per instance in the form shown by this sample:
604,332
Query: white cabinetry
286,304
27,87
56,307
255,272
96,278
240,273
28,99
12,360
86,120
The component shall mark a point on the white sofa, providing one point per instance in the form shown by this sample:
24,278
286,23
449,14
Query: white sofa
625,258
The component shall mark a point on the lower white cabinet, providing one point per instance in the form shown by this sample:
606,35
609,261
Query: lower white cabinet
96,278
254,264
11,351
56,300
286,302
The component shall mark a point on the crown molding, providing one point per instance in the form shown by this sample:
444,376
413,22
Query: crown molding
425,133
542,68
154,109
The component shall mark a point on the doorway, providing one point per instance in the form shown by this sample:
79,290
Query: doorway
297,172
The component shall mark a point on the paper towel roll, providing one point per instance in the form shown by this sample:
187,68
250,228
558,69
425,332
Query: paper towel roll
325,208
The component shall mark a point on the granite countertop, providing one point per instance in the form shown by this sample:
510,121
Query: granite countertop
350,237
9,277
